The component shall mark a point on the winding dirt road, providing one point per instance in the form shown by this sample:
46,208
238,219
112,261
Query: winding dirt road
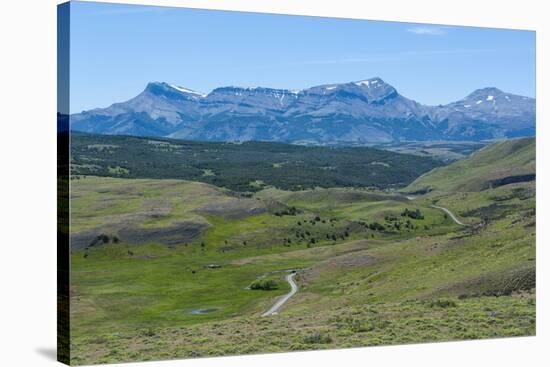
281,301
449,213
294,288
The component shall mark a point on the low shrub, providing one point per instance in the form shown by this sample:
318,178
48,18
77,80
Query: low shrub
317,338
443,303
264,285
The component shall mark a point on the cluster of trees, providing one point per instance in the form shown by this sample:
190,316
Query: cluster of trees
289,211
100,240
390,218
336,236
316,219
414,214
104,239
375,226
395,223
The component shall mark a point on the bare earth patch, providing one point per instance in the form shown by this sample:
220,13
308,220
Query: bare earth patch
234,208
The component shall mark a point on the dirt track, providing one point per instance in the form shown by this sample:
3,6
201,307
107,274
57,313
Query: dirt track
449,213
282,300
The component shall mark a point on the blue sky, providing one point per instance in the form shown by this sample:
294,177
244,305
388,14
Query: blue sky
117,49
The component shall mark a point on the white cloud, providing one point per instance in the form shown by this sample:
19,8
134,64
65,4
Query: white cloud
427,31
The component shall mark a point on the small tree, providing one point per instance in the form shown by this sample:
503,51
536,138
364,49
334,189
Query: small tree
264,285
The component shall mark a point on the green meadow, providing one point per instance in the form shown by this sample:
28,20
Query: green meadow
163,267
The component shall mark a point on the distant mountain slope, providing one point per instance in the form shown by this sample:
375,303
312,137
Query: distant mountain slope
367,111
495,165
248,166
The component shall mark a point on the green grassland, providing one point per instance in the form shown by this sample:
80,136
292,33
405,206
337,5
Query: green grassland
172,272
483,169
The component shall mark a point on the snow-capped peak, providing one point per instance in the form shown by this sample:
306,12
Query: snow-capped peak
373,82
365,83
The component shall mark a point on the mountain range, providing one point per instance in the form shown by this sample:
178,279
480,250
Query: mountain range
363,112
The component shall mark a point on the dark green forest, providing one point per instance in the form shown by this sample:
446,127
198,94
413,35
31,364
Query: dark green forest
247,166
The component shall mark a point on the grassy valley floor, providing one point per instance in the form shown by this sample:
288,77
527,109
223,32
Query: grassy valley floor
163,268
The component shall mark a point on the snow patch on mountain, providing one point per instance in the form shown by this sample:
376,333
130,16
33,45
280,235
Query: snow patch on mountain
185,90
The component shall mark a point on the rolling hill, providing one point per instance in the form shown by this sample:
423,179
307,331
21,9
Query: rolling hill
495,165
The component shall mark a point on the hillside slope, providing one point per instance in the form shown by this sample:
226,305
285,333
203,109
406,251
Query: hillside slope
495,165
399,279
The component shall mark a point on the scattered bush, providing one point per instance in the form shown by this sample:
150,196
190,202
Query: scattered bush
264,285
358,327
148,332
317,338
443,303
375,226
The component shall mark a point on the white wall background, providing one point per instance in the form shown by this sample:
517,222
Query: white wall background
28,182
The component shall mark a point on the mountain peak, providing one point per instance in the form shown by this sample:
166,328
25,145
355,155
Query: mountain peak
485,92
376,90
375,82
